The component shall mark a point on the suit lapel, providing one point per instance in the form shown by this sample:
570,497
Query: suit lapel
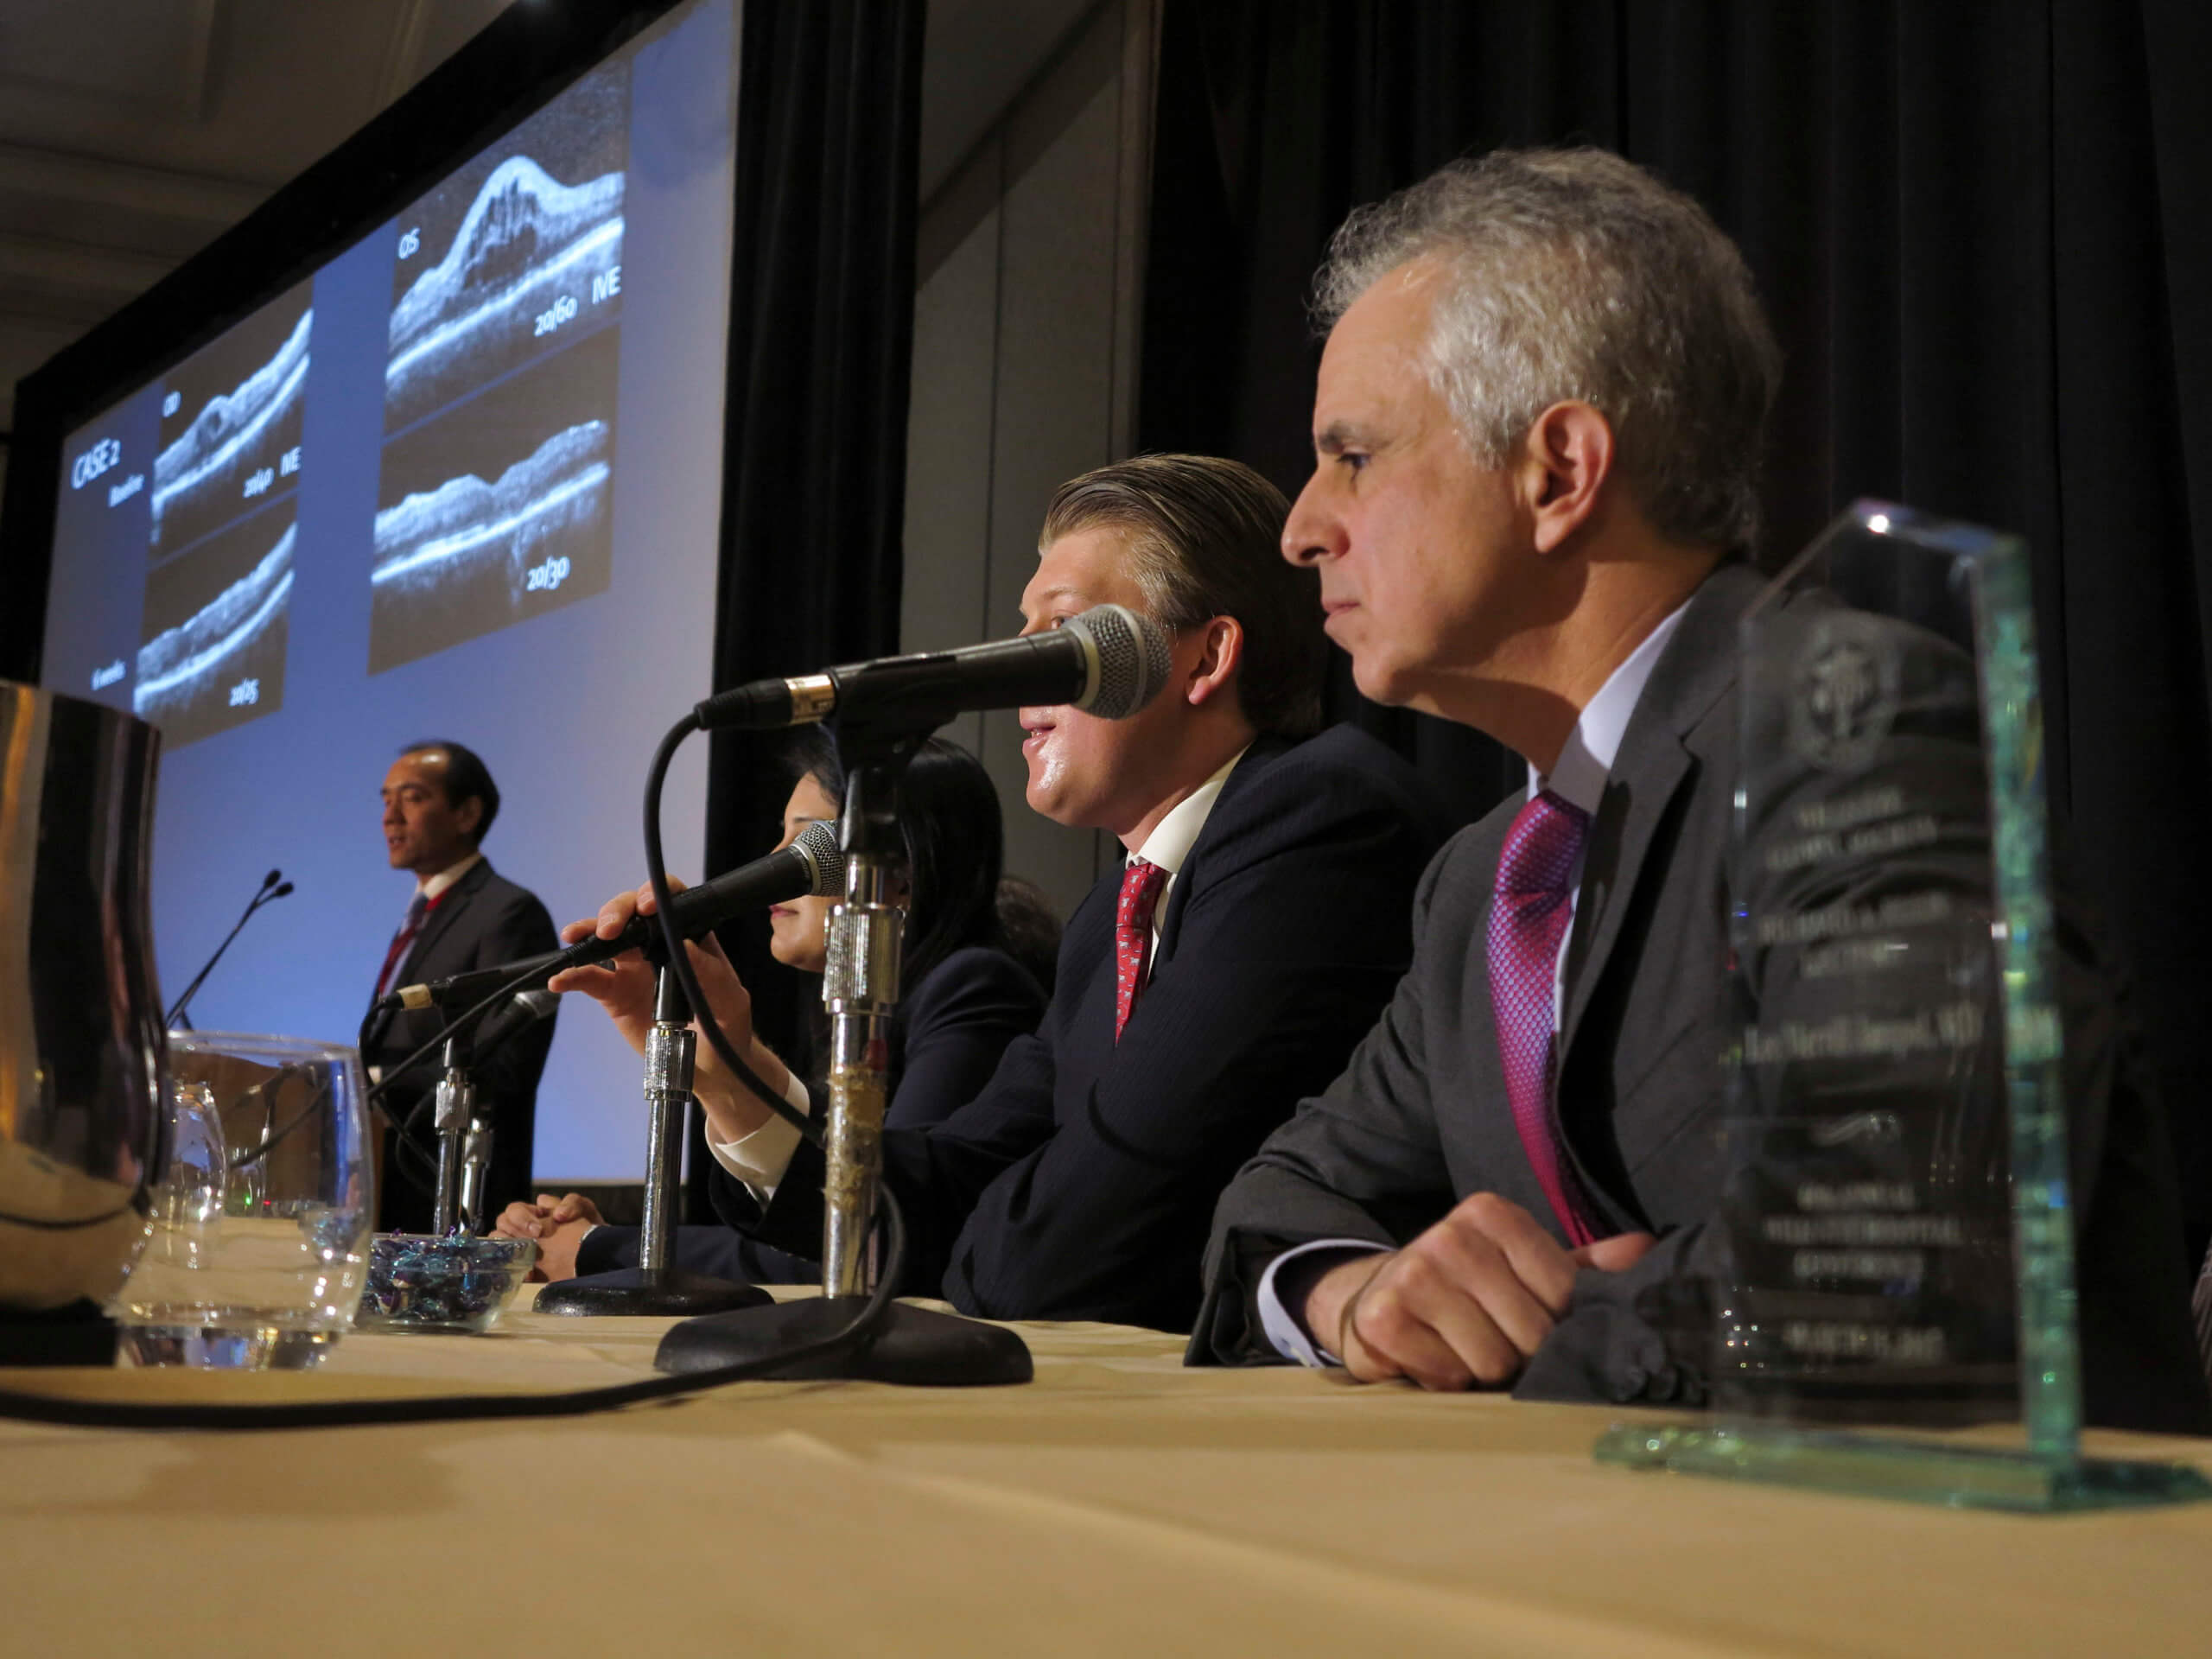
1240,778
1082,999
1695,670
440,921
1637,793
434,926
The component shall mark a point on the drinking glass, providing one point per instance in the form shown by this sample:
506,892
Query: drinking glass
195,1175
262,1221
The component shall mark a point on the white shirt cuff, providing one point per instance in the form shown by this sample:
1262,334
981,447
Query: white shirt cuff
759,1159
1288,1334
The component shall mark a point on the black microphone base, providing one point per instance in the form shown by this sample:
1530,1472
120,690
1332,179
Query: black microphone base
649,1293
916,1346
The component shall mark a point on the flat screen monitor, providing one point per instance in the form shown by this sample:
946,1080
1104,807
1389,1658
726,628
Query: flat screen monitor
463,481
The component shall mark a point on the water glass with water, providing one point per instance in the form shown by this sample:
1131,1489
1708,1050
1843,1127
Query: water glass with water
263,1215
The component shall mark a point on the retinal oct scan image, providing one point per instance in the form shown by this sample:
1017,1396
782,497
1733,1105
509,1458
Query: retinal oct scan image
231,422
216,622
514,255
499,509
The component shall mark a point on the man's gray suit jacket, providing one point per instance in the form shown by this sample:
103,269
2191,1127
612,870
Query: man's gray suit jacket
1421,1118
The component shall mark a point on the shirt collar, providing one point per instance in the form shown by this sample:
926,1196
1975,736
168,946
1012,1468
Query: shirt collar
1172,837
433,887
1578,777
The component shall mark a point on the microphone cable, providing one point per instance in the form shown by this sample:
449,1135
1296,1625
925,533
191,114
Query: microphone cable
422,1175
679,960
20,1405
271,1138
374,1097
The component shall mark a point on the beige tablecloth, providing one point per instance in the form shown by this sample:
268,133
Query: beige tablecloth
1119,1504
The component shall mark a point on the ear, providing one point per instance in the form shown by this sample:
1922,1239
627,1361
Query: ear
468,815
1564,461
1220,649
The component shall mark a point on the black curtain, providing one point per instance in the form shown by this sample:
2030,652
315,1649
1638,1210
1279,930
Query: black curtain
822,311
1982,232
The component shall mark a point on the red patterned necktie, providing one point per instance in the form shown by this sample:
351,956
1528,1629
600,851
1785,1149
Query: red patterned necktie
418,908
1531,907
1140,886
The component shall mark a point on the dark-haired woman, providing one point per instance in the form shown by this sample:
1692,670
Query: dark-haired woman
964,999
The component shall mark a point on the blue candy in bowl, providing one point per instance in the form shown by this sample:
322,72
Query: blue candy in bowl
421,1282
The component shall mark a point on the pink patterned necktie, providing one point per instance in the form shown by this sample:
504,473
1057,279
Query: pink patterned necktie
1529,917
1140,886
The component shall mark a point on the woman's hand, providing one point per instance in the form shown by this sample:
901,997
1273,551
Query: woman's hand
624,989
557,1224
523,1219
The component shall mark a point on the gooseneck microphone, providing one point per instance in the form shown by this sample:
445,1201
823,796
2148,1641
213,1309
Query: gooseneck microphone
460,990
810,865
1109,662
273,886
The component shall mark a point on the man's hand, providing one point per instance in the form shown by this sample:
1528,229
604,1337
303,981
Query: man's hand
1465,1305
624,989
557,1224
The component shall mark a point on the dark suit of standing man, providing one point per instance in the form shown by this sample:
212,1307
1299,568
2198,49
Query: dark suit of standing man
439,802
1222,970
1537,428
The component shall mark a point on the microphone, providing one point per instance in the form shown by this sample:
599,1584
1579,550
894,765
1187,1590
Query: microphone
523,1010
457,991
812,864
273,886
1109,662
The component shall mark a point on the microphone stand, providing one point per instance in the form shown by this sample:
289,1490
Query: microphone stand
860,987
475,1170
657,1287
269,892
456,1105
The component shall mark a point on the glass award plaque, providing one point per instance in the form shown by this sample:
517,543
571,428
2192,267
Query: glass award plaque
1896,1231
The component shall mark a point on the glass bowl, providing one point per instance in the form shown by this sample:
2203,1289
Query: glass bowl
420,1283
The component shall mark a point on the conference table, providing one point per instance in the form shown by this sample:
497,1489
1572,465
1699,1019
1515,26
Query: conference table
1118,1504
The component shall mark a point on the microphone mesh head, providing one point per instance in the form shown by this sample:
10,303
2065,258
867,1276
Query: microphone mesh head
1132,659
817,843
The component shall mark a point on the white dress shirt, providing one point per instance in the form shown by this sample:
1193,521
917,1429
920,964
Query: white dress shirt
1172,838
433,887
759,1159
1578,777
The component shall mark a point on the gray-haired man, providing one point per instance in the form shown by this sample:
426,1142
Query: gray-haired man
1537,430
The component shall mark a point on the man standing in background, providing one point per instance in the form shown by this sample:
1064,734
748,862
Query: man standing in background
439,803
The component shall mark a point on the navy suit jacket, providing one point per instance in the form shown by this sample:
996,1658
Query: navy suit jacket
1078,1183
953,1024
483,920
